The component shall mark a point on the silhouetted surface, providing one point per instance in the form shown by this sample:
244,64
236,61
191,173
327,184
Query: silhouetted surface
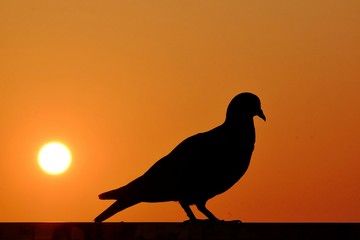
199,168
179,231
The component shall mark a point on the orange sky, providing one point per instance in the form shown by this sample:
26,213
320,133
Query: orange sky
122,82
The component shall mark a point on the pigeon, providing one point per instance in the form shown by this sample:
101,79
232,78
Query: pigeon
199,168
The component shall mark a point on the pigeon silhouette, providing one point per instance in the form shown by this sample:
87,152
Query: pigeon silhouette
199,168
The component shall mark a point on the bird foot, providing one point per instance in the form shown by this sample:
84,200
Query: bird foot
203,221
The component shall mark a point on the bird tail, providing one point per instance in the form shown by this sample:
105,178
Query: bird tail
126,196
113,209
129,191
113,194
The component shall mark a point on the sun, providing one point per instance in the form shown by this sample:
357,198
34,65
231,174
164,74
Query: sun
54,158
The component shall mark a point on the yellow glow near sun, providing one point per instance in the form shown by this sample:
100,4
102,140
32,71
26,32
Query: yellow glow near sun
54,158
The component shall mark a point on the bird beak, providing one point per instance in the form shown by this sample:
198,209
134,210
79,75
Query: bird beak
261,115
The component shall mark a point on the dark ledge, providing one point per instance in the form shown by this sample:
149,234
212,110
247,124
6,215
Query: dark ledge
178,231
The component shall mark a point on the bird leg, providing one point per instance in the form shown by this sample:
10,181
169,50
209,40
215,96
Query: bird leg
201,207
188,211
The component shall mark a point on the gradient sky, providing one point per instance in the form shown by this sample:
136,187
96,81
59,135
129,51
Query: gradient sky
123,82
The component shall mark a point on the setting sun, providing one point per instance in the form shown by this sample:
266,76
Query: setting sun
54,158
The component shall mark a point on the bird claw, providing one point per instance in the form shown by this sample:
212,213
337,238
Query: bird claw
198,221
202,221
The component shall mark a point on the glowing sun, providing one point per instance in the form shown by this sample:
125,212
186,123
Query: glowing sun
54,158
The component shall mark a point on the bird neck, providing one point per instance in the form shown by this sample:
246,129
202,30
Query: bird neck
239,123
242,129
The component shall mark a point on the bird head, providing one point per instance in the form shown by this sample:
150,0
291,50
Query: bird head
244,105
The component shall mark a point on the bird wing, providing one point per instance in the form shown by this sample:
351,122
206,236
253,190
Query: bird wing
201,166
192,165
